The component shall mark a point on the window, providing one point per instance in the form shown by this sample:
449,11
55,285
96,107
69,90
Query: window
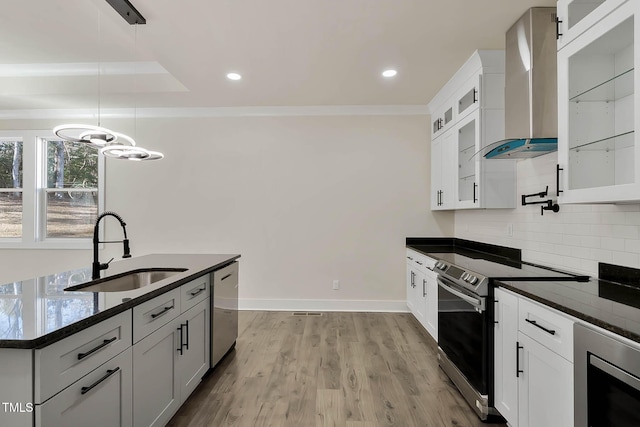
50,191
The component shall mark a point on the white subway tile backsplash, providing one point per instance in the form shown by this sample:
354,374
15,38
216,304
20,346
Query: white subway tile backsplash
612,243
576,238
625,258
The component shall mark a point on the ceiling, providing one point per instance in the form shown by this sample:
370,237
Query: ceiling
289,52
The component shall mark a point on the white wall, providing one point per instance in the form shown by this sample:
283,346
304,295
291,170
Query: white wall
576,238
305,200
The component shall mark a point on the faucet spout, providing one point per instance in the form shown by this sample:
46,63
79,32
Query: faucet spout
97,266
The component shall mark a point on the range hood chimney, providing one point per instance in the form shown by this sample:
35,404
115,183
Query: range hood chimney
531,95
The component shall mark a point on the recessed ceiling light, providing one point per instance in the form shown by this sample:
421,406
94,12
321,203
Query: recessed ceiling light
389,73
234,76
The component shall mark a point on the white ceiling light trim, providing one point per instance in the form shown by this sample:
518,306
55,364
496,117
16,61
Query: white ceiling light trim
389,73
234,76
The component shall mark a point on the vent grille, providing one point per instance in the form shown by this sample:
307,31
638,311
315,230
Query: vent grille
306,313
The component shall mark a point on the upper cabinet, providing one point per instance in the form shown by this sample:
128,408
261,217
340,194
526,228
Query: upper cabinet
598,149
575,16
470,108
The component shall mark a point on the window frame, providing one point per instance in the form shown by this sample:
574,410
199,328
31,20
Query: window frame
34,193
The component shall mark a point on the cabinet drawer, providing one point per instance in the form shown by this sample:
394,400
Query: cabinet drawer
420,261
226,275
551,329
193,292
102,397
66,361
150,315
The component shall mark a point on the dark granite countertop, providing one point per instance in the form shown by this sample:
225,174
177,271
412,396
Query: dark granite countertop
608,304
37,312
611,306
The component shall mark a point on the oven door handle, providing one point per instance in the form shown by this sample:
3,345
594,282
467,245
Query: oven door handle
614,371
477,303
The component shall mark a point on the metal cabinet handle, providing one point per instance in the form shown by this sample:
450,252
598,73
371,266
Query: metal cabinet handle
198,292
410,258
475,198
413,279
85,390
161,313
418,262
186,344
99,347
518,370
558,190
181,340
558,33
424,288
495,311
227,276
534,323
475,95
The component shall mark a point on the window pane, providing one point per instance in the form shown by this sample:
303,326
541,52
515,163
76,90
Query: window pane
71,165
11,214
10,164
71,213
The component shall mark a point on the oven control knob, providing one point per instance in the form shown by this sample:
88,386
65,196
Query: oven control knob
473,280
465,276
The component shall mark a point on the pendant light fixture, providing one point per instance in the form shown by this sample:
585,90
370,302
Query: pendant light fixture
111,144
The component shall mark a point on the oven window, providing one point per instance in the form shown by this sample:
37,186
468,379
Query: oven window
462,335
611,402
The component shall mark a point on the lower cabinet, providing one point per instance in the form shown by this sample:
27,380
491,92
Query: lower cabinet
168,365
545,386
100,398
533,378
422,291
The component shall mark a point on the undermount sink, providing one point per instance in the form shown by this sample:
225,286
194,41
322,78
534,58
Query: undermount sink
127,281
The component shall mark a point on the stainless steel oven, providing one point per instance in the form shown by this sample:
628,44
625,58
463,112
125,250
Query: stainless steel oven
607,380
463,342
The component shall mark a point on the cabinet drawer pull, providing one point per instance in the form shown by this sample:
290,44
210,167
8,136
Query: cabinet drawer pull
558,190
419,262
424,287
85,390
558,33
161,313
227,276
198,292
534,323
99,347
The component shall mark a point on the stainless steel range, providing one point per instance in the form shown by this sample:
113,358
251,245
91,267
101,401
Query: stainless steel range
465,318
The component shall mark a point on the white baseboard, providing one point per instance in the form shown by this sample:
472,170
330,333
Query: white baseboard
323,305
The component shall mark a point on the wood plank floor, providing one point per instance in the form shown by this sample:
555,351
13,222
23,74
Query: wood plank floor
338,369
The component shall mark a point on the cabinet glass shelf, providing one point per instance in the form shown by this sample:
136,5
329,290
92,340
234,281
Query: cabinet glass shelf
467,149
464,178
615,142
613,89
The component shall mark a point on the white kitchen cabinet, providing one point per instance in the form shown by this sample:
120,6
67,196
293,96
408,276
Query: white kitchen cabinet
506,336
422,291
460,179
193,362
443,157
431,310
443,118
598,148
169,362
545,387
576,16
533,376
156,392
101,398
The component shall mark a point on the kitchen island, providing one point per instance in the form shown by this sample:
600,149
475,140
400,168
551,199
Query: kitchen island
73,358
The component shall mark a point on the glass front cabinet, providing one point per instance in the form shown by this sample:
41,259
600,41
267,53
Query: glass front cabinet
460,177
598,152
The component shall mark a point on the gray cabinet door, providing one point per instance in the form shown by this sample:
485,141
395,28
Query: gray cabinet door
155,392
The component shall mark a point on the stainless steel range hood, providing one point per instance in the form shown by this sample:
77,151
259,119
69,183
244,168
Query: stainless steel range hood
531,100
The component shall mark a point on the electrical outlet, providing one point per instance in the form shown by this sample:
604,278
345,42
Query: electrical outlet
336,285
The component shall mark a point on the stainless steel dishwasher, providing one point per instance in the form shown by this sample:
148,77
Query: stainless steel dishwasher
224,311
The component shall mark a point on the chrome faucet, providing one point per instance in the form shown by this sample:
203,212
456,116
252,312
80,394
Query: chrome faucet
97,265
